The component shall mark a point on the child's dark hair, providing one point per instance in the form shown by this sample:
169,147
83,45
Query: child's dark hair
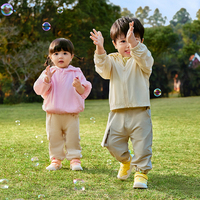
121,26
60,44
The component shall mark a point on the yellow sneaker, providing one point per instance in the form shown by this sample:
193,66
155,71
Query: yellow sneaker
125,170
140,180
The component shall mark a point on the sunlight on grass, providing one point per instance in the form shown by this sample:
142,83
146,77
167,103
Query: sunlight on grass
176,153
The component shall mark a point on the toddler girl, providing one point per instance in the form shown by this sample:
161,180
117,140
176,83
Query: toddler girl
64,89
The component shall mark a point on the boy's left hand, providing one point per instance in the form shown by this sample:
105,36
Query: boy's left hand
130,37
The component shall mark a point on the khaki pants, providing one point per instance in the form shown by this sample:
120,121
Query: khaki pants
134,123
63,135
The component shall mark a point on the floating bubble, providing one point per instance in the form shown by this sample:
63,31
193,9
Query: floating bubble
46,26
60,10
17,122
4,183
157,92
39,137
109,162
35,161
79,184
6,9
92,119
26,155
40,196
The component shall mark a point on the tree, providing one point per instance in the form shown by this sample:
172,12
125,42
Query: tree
182,17
126,13
190,78
21,65
142,14
156,19
198,14
160,39
20,47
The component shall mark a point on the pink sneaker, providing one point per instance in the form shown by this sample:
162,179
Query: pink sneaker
75,164
55,165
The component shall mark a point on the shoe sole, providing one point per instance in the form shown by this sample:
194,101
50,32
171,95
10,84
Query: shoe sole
139,186
53,168
76,168
126,176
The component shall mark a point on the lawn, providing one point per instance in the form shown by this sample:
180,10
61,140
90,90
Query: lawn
176,155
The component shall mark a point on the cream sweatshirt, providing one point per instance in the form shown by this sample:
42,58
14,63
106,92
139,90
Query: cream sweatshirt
129,78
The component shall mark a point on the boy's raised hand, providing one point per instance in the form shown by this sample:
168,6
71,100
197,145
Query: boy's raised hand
48,74
98,40
130,37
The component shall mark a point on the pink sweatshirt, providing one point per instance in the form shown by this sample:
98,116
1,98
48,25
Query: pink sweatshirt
59,95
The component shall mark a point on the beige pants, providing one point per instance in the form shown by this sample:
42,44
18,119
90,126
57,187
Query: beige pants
63,135
134,123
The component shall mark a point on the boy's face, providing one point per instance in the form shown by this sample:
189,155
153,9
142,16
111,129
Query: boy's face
122,46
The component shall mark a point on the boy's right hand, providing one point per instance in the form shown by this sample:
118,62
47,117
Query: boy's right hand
98,40
48,74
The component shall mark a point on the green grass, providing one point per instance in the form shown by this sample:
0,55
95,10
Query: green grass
176,154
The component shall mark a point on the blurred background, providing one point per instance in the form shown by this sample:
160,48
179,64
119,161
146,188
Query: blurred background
28,26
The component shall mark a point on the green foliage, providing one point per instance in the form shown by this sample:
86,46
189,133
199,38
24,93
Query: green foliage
142,14
160,39
156,19
158,79
24,44
126,13
198,14
182,17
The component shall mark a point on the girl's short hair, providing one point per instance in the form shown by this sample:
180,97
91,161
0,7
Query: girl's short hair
60,44
121,26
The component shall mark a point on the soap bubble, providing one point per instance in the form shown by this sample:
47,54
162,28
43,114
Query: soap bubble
26,155
109,162
92,119
40,196
46,26
39,137
17,122
79,184
35,161
60,10
4,184
6,9
157,92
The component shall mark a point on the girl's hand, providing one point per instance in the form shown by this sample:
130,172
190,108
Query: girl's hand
130,37
48,74
98,40
77,84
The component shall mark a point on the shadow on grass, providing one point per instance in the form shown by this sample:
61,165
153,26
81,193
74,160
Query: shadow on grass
176,185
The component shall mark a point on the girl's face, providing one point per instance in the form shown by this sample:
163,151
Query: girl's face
61,58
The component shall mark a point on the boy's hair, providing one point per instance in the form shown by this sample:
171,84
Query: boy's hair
121,26
60,44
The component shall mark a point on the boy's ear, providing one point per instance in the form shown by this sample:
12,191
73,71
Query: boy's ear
114,44
142,40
